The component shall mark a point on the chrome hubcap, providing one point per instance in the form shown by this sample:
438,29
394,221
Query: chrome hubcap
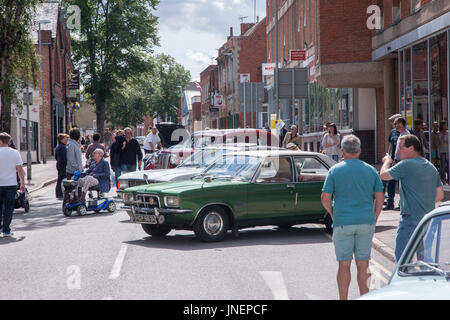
213,223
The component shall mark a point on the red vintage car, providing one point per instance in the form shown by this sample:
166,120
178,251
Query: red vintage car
171,157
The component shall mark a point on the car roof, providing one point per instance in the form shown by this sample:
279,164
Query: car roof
239,146
226,131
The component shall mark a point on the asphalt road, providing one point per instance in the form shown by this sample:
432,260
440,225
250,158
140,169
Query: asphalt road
104,256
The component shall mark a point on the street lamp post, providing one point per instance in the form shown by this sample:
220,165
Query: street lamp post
28,101
44,142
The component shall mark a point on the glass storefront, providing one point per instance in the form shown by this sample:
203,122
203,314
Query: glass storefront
423,72
328,104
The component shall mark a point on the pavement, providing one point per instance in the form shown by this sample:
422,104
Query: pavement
385,233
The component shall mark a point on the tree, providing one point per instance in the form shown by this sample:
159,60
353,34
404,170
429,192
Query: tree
114,43
153,92
18,61
171,75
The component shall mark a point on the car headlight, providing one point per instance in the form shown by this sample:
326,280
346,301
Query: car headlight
174,160
171,201
128,198
123,184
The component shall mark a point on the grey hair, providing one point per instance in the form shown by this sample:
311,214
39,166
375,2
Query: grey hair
102,153
351,144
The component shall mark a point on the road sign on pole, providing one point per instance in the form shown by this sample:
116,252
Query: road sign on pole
289,80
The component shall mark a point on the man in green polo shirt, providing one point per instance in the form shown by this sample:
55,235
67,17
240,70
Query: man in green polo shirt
420,187
348,195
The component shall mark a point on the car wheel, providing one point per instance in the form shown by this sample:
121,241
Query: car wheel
81,210
212,224
111,207
156,231
328,221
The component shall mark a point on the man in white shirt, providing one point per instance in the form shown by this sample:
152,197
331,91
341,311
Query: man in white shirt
11,163
152,141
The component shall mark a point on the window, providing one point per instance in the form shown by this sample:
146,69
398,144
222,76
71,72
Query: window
275,170
310,170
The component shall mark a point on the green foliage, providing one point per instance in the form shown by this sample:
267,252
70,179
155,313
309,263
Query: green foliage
18,60
153,92
114,44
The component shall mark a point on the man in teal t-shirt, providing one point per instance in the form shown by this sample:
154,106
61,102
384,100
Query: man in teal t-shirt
348,195
420,187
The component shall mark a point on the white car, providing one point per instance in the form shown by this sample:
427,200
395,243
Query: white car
192,166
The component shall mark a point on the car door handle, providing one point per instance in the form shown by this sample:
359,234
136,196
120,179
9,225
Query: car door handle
290,186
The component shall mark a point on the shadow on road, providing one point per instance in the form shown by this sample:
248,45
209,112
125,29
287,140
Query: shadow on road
247,237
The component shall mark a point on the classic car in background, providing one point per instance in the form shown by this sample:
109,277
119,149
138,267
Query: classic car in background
239,190
423,271
170,158
190,167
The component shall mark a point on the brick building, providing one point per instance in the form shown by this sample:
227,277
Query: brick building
57,67
241,56
209,85
360,70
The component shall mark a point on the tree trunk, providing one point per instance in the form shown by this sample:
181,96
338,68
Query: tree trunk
100,106
5,116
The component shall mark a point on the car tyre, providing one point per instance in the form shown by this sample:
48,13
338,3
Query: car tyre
328,222
212,224
156,231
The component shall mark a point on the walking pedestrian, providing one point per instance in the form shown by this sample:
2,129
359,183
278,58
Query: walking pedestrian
131,151
391,184
348,195
152,141
61,162
443,146
435,144
419,133
420,187
108,138
11,163
325,130
74,162
283,133
292,137
93,146
115,155
331,141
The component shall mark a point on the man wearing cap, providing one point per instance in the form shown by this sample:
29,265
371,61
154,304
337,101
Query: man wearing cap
393,137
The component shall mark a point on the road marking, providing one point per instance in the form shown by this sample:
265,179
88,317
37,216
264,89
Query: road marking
115,272
379,266
275,281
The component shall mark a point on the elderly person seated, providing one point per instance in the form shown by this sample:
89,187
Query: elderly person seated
97,174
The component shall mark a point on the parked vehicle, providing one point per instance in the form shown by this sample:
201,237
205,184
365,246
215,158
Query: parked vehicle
239,190
423,271
173,156
190,167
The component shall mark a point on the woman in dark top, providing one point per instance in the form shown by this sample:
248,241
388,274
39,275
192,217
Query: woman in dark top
61,162
115,154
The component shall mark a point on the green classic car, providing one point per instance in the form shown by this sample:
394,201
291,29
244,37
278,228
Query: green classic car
240,190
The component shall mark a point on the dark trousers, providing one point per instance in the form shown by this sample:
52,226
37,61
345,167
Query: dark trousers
391,190
61,176
69,176
7,199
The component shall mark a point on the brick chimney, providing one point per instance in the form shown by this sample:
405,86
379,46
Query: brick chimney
245,27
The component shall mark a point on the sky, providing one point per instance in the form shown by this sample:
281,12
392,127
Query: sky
191,31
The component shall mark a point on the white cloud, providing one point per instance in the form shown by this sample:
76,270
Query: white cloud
191,31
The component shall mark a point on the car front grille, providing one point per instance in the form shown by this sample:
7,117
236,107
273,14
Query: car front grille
135,183
147,201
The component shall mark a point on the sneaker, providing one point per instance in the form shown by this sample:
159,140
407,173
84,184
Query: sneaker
389,206
397,209
8,234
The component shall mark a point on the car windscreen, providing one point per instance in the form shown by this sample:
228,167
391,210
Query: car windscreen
429,253
240,167
202,158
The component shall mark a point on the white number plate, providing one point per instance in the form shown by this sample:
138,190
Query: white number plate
145,218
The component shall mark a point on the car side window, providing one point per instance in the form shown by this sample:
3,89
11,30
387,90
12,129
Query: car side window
310,169
275,170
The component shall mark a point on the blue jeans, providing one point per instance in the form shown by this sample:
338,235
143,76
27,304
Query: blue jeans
405,230
117,173
128,168
335,157
7,199
443,168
